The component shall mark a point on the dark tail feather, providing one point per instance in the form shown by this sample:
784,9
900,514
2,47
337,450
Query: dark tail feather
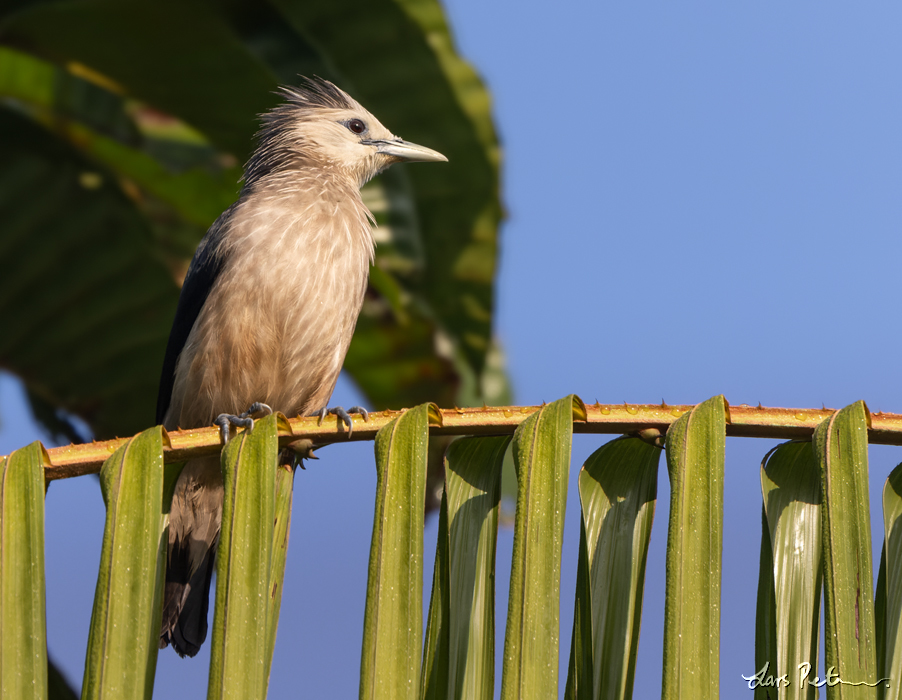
186,601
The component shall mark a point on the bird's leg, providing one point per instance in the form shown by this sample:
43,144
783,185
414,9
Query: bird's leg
227,422
344,415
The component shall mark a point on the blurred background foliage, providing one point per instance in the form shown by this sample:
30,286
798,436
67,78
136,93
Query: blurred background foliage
123,129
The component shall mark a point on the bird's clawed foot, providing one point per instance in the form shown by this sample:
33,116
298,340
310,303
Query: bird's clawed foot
344,416
294,454
228,422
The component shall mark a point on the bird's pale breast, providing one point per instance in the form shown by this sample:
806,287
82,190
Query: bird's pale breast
280,317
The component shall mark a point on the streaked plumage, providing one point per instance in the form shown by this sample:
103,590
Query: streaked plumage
268,307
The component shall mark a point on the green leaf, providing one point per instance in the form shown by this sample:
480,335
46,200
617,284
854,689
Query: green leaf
123,44
695,462
434,673
125,623
880,605
473,485
542,457
395,364
468,533
27,79
197,195
618,486
765,621
789,588
392,624
179,199
841,447
284,493
57,98
581,670
78,278
892,588
242,633
23,627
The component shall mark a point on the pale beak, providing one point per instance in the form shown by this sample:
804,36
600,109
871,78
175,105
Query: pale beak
405,150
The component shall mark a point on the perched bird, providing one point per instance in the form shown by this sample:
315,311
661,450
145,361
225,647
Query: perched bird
268,308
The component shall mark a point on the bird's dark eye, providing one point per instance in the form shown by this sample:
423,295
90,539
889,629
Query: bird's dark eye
357,126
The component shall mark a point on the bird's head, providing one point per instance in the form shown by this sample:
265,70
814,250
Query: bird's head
320,125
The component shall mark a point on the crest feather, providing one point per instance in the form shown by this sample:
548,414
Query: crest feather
301,101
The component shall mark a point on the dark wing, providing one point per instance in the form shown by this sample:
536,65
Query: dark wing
205,267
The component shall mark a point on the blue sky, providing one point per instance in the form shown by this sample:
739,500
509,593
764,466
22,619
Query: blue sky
702,199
